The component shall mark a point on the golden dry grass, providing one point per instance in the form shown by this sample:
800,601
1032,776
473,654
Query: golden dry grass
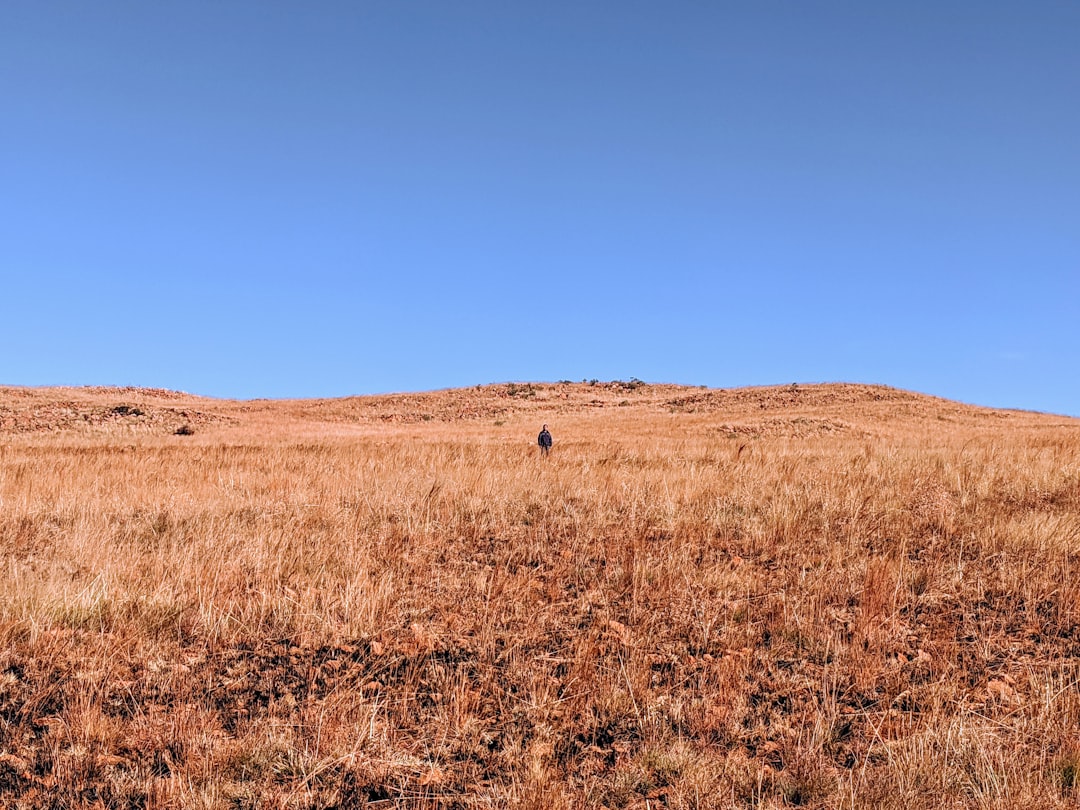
821,596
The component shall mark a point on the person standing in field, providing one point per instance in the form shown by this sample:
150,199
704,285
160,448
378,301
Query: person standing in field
544,440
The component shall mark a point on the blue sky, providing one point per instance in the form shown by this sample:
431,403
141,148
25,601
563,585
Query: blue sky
271,199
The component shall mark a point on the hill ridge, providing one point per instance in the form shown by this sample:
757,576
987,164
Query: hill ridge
796,408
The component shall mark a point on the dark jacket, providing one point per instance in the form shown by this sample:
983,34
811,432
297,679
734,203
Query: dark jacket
544,439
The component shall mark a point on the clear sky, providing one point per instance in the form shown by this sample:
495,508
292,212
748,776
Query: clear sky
285,199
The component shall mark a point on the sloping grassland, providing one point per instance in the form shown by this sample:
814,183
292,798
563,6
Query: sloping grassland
817,596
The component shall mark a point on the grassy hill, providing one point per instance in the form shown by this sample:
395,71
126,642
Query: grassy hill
819,595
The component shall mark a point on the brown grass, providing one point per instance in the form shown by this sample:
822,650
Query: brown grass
818,596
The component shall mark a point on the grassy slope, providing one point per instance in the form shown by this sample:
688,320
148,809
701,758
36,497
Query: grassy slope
837,595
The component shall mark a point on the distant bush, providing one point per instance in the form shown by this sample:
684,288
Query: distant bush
185,430
126,410
527,391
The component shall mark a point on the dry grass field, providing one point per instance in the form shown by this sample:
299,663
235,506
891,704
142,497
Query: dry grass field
837,596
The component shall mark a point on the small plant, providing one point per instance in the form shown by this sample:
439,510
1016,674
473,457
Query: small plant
126,410
1066,774
185,430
